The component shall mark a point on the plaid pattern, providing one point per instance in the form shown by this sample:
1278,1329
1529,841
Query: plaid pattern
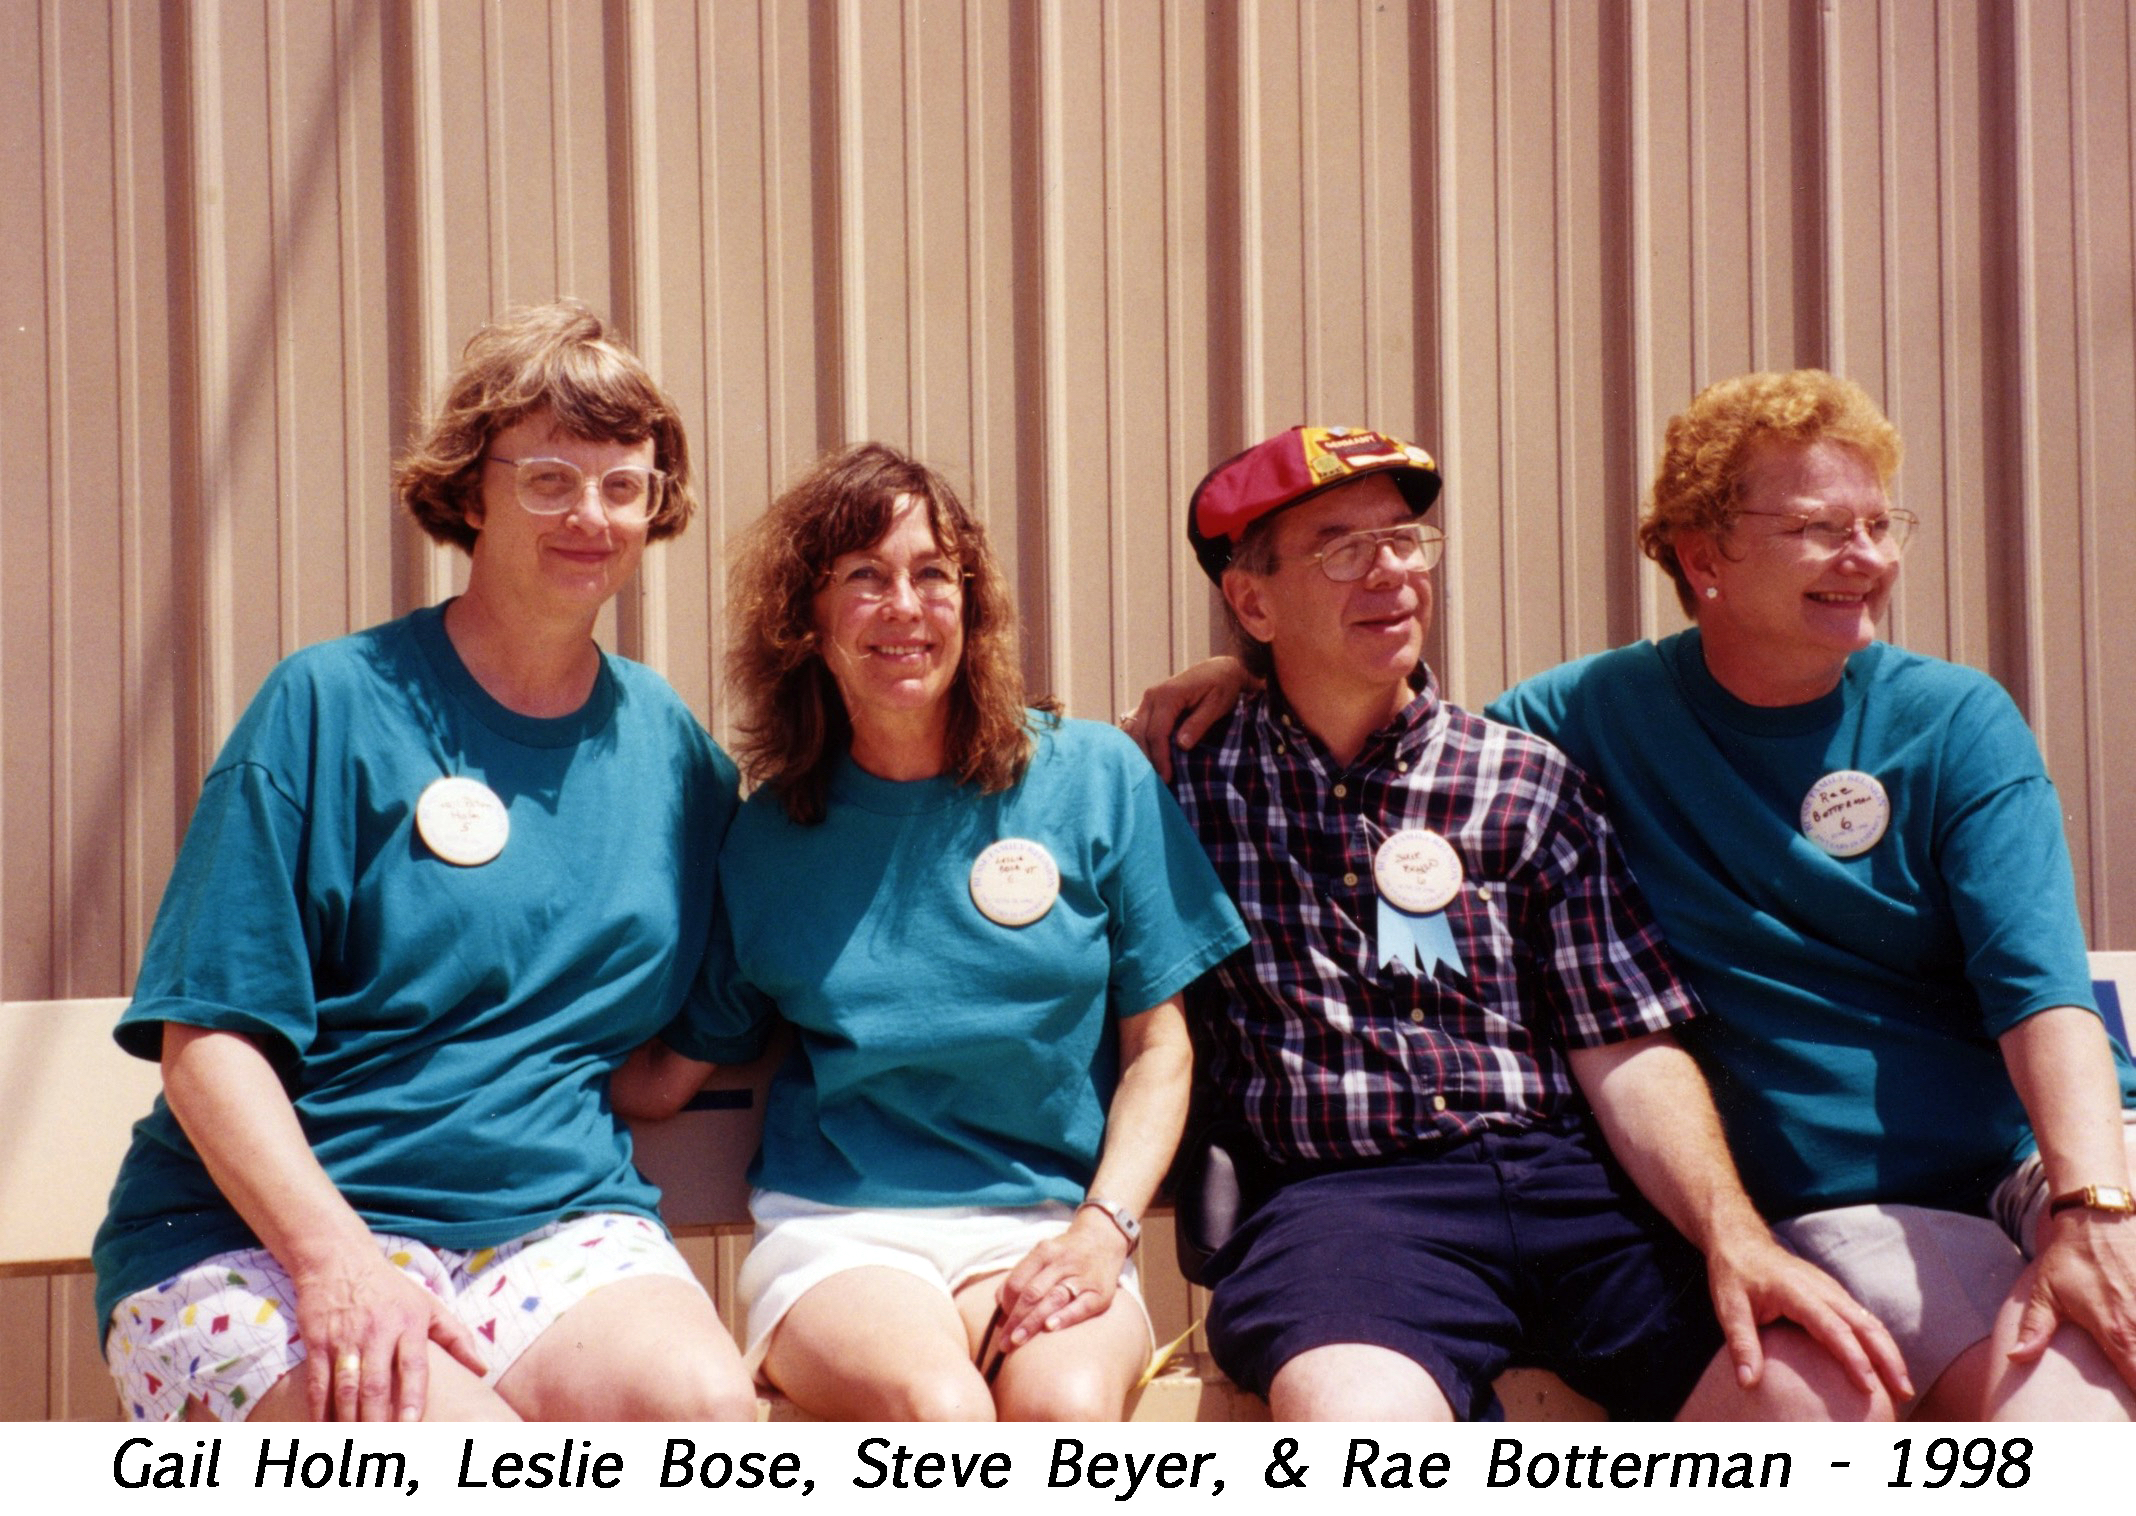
1329,1054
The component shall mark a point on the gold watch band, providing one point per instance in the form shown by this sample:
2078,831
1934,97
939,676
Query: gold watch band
2111,1198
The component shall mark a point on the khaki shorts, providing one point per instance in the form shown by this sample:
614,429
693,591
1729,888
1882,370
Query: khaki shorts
1936,1279
800,1243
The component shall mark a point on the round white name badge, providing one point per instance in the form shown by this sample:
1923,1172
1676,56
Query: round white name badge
462,821
1845,812
1015,882
1418,871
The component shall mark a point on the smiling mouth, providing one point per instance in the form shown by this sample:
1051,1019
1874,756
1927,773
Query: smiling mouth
902,649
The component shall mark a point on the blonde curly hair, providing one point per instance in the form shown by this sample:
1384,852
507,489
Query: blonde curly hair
1710,444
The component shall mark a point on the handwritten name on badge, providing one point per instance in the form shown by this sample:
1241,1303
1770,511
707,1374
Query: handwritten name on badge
1845,813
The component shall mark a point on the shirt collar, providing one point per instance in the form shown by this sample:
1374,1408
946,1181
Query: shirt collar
1416,725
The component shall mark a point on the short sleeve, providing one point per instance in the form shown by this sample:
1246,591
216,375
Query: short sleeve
1171,920
2005,860
724,1019
229,950
1610,976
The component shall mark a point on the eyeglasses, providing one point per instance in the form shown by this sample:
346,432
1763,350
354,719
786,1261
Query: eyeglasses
1830,531
1350,557
939,581
552,487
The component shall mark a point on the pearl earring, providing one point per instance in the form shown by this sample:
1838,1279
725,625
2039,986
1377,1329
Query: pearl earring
1713,592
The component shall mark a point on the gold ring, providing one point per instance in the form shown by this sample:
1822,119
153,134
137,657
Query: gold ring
349,1363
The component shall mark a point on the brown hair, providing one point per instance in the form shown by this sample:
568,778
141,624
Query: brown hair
1710,445
559,358
794,726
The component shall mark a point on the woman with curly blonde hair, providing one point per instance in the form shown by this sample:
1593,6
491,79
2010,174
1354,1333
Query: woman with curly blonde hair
978,918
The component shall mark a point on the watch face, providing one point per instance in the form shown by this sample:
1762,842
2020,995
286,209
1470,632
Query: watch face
2113,1198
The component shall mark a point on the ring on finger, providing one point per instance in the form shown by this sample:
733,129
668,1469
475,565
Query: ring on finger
349,1363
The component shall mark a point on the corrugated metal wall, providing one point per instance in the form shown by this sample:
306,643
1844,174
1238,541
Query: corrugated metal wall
1071,251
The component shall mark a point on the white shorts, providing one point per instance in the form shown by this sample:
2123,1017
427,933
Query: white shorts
800,1243
224,1332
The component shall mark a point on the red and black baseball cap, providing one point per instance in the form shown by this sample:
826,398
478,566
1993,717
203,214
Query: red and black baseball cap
1293,466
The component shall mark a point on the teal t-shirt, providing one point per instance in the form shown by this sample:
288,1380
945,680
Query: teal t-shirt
942,1059
445,1033
1856,1000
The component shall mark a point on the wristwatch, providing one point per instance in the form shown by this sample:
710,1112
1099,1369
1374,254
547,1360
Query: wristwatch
2111,1198
1121,1217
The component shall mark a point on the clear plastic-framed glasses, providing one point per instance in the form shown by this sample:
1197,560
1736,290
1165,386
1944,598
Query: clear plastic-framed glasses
1831,530
1349,557
554,486
938,581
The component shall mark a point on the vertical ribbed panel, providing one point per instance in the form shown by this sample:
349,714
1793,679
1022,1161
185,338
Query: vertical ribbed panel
1071,252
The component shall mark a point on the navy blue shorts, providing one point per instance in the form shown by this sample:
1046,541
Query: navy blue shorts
1510,1249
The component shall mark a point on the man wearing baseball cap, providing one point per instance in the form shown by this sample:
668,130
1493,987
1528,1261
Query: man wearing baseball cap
1449,1043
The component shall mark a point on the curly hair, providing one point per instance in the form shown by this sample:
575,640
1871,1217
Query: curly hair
793,721
1710,445
559,358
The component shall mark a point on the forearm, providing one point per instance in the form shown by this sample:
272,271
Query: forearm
2064,1073
240,1120
1657,1115
1149,1109
655,1082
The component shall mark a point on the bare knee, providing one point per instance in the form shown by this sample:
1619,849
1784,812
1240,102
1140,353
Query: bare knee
940,1397
2073,1380
1801,1382
1351,1381
1077,1392
694,1391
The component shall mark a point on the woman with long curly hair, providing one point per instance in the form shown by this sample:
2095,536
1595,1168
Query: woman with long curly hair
978,918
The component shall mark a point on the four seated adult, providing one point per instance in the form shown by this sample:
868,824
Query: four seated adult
444,876
1451,1044
978,919
1857,856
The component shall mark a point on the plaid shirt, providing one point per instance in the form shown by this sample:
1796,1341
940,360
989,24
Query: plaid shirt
1331,1055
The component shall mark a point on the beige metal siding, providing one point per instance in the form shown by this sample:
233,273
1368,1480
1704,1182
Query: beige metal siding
1073,252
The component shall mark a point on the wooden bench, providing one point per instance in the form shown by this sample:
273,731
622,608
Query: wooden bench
69,1098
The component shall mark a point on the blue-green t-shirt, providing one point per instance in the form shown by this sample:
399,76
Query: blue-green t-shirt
1856,1000
445,1033
942,1059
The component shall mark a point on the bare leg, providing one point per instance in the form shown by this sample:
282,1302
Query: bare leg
644,1349
878,1344
1084,1373
1801,1382
2071,1381
1356,1381
455,1395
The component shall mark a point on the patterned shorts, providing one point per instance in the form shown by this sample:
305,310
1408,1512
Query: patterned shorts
224,1332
